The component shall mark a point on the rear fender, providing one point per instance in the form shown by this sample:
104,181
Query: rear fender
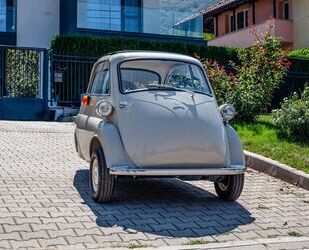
110,140
236,152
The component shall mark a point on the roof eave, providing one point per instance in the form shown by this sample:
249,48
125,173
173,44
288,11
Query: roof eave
224,8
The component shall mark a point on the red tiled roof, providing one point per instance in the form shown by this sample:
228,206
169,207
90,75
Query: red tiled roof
209,10
217,6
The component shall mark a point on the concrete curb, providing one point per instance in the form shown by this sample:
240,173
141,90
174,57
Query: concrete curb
272,243
277,170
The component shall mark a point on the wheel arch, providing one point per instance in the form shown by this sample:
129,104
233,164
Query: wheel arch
94,144
237,156
108,137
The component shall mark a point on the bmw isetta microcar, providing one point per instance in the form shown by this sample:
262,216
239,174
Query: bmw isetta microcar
154,114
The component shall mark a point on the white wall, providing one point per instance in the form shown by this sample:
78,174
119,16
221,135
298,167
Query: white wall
301,23
37,22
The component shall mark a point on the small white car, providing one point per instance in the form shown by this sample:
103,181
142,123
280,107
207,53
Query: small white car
154,114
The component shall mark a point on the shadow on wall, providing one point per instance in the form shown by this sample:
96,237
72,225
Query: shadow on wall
167,207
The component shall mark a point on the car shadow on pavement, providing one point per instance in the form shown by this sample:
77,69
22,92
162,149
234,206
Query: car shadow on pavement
168,207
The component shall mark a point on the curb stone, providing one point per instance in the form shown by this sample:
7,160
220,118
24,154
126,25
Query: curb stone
273,243
277,169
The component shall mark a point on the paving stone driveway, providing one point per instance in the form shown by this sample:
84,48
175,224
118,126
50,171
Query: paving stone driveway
44,201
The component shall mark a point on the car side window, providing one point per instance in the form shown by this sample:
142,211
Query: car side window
101,81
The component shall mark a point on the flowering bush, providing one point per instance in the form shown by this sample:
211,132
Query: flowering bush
293,117
249,86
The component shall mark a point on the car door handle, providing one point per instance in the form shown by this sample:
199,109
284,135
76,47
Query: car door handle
123,105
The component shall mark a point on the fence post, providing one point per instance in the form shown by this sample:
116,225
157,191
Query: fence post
45,78
2,79
51,77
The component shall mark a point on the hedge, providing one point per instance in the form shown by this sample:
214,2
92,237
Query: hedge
301,53
96,47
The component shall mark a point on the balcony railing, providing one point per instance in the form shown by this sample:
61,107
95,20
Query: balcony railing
113,17
244,38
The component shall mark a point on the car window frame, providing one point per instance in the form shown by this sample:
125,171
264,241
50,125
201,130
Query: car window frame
211,94
93,77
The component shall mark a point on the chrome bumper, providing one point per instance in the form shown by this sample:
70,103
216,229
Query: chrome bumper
134,171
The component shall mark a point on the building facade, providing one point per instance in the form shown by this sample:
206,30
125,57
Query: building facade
231,20
33,23
301,23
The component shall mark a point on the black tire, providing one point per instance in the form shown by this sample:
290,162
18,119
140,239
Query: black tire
104,189
230,187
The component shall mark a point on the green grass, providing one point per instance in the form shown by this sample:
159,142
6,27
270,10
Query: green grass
261,206
197,242
262,137
294,234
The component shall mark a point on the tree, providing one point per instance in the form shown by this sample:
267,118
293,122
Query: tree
249,86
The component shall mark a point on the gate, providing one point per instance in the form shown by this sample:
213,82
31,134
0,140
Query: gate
23,83
70,75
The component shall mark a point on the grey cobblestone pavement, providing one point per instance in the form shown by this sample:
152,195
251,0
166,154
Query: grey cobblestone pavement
44,201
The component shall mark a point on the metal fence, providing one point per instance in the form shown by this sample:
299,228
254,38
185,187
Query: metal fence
70,76
295,81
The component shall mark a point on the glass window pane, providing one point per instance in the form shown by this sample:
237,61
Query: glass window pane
199,81
7,15
2,15
240,20
231,23
101,82
134,79
99,14
286,11
246,19
154,17
180,77
148,74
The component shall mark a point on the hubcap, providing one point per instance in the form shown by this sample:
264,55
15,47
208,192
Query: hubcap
95,175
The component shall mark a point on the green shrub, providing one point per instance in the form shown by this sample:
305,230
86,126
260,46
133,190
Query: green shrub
302,53
96,47
293,117
208,36
22,73
249,87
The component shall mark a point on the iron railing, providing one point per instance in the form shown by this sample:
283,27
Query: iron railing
69,77
295,81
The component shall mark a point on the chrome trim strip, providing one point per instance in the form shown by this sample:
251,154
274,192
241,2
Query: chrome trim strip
134,171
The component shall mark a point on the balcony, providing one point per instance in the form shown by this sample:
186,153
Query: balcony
244,38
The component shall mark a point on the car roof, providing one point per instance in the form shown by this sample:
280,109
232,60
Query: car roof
139,54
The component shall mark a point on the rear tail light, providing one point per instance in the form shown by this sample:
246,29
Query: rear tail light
85,100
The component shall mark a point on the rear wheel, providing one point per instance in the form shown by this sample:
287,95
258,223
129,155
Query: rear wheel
101,182
230,187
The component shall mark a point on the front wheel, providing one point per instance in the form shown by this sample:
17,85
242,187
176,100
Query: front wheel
230,187
101,182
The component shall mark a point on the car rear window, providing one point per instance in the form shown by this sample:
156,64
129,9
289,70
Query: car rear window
135,79
144,75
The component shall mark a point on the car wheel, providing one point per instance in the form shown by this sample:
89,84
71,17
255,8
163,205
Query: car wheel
230,187
101,182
